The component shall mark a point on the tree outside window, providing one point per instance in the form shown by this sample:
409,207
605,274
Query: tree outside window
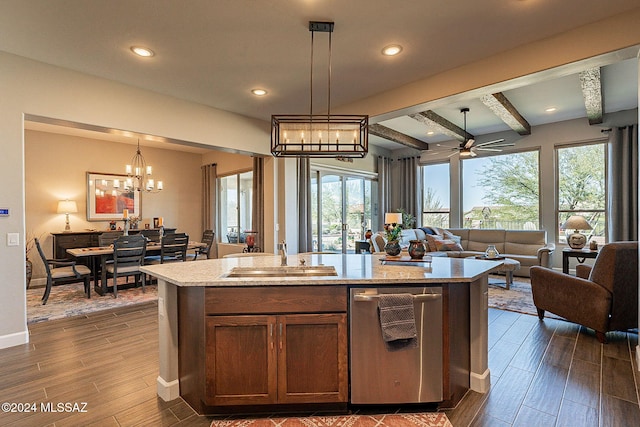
502,191
582,188
436,198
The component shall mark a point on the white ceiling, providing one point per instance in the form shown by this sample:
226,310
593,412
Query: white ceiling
215,51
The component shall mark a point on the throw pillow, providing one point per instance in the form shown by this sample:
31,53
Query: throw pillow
447,245
431,242
406,237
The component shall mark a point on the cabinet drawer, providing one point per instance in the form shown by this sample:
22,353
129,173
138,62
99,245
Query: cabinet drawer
276,299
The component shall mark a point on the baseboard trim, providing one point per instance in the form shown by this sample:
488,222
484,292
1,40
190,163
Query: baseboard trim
12,340
168,390
481,382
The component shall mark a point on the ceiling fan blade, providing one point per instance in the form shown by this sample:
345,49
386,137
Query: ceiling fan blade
469,143
472,153
495,141
488,149
453,154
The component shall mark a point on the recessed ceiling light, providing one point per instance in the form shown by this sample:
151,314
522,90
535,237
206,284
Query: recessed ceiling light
258,92
550,109
392,49
142,51
431,133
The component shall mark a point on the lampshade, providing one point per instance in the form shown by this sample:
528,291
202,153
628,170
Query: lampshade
576,222
393,218
67,206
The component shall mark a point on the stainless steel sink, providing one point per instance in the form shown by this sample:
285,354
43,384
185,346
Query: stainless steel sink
284,271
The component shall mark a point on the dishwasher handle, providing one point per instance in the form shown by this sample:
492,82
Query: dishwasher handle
418,297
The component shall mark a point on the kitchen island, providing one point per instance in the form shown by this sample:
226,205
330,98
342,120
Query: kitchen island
200,307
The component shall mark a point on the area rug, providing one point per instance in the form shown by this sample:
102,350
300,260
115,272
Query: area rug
428,419
70,300
517,298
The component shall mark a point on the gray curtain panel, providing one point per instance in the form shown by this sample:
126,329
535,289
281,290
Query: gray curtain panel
623,184
305,241
209,194
409,197
257,216
384,189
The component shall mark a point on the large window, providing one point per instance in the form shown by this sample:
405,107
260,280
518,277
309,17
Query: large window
502,191
436,207
341,210
582,188
234,205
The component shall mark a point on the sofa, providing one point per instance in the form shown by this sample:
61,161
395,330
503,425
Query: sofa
529,247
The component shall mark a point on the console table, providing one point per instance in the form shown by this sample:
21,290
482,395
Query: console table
579,254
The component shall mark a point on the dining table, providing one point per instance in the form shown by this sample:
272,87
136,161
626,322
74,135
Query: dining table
99,255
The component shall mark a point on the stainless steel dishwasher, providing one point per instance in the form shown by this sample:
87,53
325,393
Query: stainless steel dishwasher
379,376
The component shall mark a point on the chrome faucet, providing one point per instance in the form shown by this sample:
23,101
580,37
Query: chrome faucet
282,247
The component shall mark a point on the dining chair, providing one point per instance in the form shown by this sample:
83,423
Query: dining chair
63,271
128,257
208,237
152,235
173,248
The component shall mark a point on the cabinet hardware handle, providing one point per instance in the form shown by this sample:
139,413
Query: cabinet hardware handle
420,297
271,336
280,334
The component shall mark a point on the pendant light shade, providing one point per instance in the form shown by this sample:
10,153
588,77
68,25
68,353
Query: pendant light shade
320,135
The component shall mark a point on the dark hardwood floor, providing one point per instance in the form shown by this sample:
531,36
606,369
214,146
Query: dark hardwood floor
543,374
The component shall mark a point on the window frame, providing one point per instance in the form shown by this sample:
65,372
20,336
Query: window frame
537,150
557,210
424,189
223,233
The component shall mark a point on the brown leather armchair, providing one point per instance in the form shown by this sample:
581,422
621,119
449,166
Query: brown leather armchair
604,298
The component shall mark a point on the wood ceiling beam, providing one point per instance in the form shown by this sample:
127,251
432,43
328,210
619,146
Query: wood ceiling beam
441,125
591,83
395,136
504,109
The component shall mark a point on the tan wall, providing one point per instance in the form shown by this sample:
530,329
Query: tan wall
56,167
228,163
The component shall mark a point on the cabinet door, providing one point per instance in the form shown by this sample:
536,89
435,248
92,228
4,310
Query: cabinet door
312,358
240,360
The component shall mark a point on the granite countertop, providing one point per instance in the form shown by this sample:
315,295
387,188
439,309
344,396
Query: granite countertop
352,269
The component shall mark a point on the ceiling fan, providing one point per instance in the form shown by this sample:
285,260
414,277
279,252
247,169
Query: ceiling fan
468,147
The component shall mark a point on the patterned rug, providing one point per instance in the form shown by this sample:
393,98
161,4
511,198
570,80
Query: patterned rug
517,298
428,419
69,300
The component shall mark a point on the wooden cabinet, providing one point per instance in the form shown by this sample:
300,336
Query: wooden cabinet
72,240
265,346
253,360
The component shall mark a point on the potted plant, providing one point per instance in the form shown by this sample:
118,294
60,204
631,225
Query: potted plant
393,233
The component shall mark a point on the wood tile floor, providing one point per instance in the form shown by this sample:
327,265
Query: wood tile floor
543,374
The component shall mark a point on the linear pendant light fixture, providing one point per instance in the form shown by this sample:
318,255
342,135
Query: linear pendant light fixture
319,135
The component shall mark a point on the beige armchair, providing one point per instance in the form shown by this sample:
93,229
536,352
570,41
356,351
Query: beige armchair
604,298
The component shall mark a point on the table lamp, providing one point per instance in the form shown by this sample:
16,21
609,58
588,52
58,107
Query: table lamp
66,207
576,222
393,218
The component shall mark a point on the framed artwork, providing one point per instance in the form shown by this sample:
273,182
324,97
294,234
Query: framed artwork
107,199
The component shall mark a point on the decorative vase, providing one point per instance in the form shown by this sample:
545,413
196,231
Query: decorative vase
28,270
416,249
491,252
392,248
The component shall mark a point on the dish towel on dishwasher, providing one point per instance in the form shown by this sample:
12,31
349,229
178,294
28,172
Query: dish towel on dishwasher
397,321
